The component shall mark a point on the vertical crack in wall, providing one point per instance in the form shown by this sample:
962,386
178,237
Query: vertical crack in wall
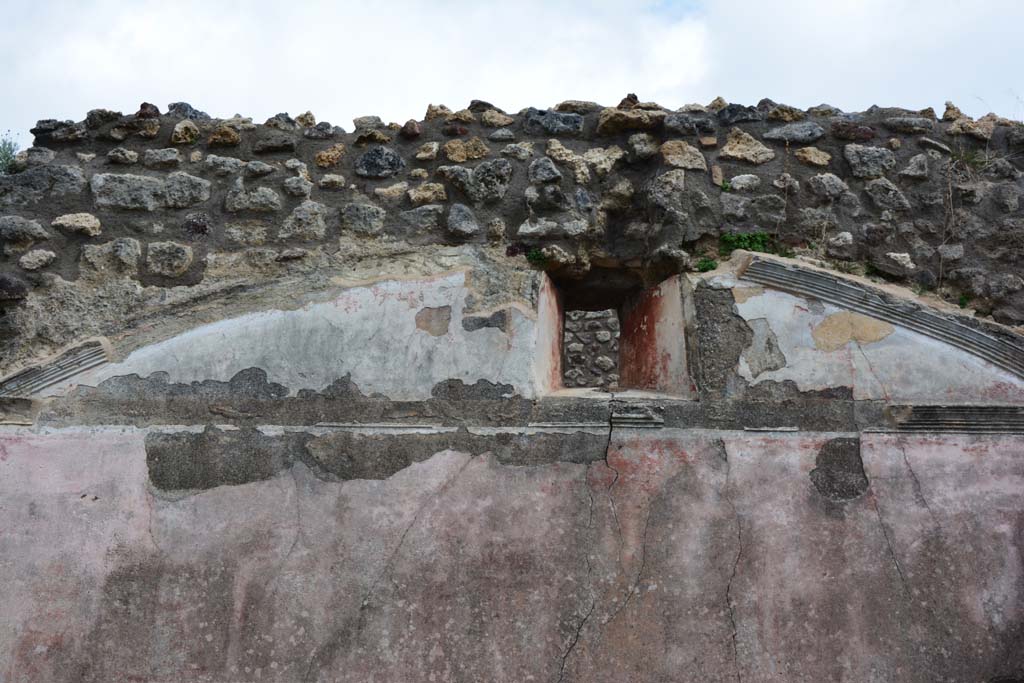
150,499
729,607
590,586
871,369
320,657
608,491
889,545
916,483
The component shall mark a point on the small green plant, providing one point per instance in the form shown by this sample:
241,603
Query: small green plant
970,158
871,270
8,148
844,267
536,257
751,241
706,263
964,300
726,186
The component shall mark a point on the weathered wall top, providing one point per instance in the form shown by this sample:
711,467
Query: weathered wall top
110,220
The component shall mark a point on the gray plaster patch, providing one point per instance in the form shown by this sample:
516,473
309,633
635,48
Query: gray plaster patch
839,472
498,320
763,354
187,461
457,390
721,337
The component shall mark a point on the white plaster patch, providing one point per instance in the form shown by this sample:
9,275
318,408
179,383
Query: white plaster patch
904,366
368,331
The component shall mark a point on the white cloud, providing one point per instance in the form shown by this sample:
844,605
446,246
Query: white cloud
855,53
345,59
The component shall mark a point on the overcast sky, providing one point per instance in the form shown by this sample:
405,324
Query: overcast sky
344,59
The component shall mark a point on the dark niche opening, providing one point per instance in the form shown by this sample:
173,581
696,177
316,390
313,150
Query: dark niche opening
609,331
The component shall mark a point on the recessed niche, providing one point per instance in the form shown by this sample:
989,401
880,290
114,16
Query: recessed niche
642,340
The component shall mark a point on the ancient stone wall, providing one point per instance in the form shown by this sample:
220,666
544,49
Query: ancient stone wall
284,403
175,199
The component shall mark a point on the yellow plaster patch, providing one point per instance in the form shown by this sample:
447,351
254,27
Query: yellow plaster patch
839,329
742,294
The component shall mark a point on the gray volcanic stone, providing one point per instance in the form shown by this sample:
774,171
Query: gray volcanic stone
379,162
69,133
184,190
161,158
363,218
747,182
841,246
223,165
936,145
45,126
827,185
546,198
168,259
120,155
424,218
735,207
910,125
260,199
552,122
321,131
519,150
36,259
38,156
737,113
643,145
82,223
545,228
665,191
275,142
298,187
17,233
502,135
367,122
917,167
184,110
869,162
690,123
307,222
543,170
258,169
281,121
32,185
95,118
120,256
462,221
485,184
885,195
125,191
802,132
